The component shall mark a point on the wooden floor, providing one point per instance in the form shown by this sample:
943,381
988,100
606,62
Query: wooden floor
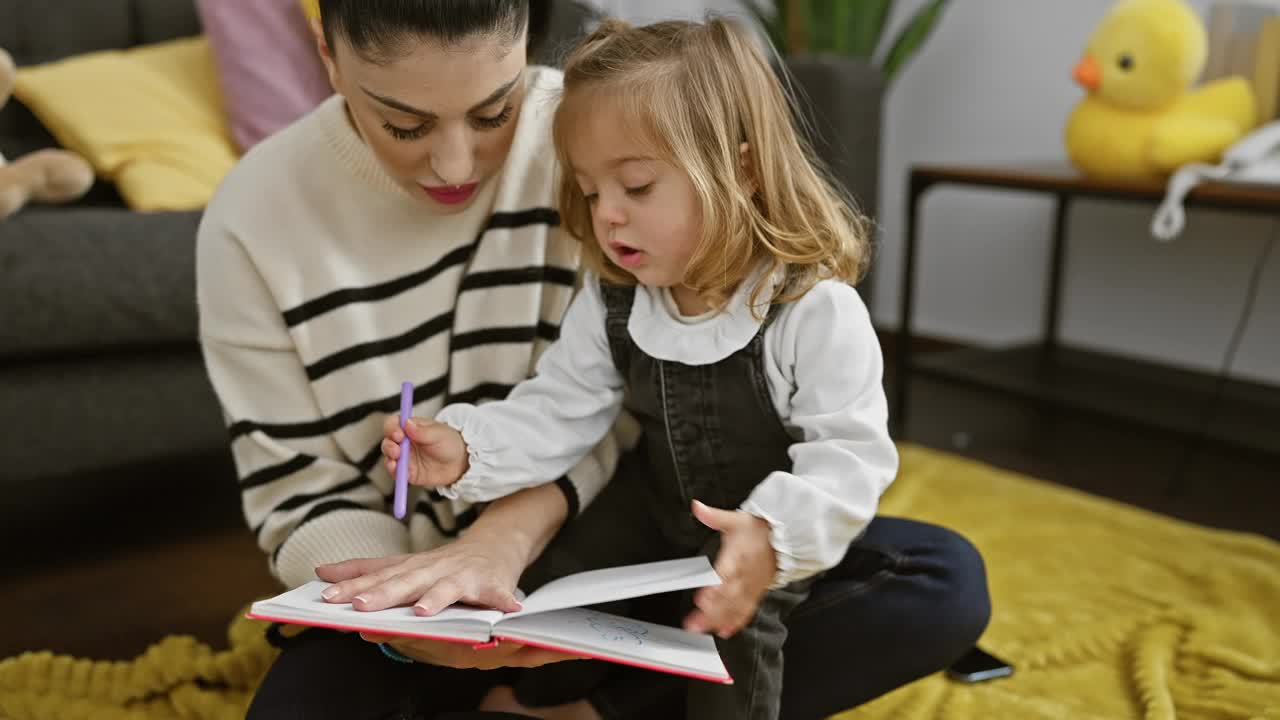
181,562
106,584
1209,485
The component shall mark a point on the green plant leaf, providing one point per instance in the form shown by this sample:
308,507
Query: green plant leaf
912,37
822,28
863,22
840,27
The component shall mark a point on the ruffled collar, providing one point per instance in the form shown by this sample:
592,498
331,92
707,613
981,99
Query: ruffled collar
659,333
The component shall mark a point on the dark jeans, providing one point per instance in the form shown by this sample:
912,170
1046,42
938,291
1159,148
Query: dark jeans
908,600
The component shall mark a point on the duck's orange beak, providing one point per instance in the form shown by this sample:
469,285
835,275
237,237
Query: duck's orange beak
1088,73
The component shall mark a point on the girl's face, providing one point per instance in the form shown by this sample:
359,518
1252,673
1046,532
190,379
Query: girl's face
645,213
439,118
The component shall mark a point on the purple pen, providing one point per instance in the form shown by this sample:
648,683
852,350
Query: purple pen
402,466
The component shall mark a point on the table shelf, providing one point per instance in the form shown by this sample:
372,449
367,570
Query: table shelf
1246,415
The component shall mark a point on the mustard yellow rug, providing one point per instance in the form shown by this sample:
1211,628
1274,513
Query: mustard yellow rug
1106,611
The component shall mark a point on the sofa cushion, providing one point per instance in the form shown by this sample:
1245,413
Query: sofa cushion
81,279
70,417
268,66
34,34
160,20
149,118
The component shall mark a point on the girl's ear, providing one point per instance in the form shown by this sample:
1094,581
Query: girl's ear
750,180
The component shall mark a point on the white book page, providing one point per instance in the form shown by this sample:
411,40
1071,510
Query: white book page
611,636
620,583
305,603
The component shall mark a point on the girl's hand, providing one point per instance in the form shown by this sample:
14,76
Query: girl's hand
438,454
746,565
465,656
475,569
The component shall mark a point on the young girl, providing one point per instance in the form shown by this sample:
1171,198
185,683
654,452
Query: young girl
721,316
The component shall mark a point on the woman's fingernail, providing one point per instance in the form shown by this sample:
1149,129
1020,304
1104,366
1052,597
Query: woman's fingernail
361,599
329,592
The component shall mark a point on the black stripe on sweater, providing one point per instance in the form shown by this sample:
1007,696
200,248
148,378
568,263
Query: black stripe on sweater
570,495
509,220
463,520
377,348
371,458
315,512
501,335
518,276
483,391
275,472
328,302
340,419
331,301
296,501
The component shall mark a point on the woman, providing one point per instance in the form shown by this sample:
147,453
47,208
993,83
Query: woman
404,230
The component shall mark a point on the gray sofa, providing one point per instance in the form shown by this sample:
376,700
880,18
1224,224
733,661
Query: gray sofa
99,367
100,373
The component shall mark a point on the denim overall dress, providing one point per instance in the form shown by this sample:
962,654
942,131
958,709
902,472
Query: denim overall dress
711,433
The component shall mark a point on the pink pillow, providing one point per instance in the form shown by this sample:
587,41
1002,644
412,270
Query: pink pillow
268,67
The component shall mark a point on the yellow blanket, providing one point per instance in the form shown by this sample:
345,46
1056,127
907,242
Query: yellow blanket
1106,611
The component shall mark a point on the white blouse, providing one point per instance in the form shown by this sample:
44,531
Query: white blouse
824,369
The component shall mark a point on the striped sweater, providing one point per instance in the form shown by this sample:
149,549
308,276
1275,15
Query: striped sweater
323,286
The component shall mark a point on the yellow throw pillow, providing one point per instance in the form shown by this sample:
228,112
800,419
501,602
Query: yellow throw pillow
150,119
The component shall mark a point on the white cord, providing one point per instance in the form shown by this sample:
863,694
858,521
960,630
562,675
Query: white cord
1170,217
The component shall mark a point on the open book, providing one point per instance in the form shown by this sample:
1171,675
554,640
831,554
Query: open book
552,617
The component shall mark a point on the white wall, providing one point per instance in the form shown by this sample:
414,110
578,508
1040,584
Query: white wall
993,87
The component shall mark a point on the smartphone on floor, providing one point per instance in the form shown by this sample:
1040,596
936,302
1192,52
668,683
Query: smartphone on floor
979,665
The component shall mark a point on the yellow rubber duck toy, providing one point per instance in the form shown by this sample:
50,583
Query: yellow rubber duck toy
1141,120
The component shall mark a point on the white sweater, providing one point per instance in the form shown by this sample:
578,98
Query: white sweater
322,286
823,366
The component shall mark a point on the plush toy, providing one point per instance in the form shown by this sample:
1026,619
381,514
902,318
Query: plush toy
50,176
1141,119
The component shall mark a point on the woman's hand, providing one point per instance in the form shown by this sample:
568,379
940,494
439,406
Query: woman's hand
464,656
746,564
481,567
477,569
437,452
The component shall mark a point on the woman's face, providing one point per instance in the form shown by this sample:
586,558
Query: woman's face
439,118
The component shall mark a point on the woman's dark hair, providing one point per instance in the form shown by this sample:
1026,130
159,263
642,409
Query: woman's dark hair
379,29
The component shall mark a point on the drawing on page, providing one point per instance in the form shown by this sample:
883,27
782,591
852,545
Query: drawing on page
616,630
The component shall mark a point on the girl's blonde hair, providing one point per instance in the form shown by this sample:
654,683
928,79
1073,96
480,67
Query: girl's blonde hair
694,93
